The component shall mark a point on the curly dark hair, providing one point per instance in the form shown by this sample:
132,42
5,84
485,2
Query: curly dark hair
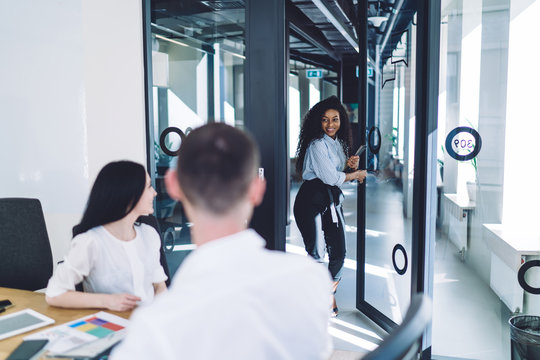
312,129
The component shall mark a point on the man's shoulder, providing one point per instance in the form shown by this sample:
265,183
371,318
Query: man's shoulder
302,266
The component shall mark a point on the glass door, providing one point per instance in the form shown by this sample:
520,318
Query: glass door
481,254
197,66
390,125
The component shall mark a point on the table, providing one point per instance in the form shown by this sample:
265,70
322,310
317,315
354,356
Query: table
510,248
23,299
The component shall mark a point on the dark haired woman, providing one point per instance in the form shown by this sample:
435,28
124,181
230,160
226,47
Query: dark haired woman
116,259
323,147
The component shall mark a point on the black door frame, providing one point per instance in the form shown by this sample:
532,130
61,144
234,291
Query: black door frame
266,96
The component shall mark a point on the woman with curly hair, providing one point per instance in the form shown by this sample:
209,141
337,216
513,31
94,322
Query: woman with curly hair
323,156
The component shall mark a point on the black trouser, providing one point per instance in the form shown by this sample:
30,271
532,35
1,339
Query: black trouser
313,199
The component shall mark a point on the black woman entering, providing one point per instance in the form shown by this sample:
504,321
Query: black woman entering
323,161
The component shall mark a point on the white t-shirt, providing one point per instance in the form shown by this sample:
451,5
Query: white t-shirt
108,265
234,299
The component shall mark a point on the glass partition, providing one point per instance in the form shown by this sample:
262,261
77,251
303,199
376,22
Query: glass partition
197,71
389,185
487,199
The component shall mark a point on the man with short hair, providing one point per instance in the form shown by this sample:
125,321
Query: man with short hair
231,298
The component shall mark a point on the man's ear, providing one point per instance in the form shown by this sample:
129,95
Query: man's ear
256,191
173,186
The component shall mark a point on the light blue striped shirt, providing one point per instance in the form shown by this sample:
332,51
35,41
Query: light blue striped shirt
325,160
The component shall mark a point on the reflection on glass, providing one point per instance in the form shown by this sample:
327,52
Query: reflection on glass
197,70
389,185
475,283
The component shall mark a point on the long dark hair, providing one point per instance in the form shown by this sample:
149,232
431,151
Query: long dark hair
312,129
116,191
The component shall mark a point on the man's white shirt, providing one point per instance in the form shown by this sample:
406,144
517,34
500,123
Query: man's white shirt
234,299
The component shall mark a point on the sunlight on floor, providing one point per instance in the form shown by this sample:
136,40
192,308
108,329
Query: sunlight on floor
355,328
349,263
355,340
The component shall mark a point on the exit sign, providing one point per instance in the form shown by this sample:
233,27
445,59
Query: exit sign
369,71
315,73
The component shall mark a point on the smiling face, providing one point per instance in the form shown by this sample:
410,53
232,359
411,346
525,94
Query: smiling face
330,123
145,206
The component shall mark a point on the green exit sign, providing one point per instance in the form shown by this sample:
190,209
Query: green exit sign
315,73
369,71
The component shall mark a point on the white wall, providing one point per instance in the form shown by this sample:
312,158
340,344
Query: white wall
71,100
114,81
521,171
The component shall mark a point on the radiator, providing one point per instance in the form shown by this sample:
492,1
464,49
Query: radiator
455,221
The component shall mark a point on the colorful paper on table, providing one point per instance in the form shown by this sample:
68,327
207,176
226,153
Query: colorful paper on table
101,330
96,326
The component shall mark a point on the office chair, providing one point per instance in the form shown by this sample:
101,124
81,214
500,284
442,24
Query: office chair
152,221
404,342
25,252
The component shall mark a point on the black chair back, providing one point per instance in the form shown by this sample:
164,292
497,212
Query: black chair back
404,342
152,221
25,252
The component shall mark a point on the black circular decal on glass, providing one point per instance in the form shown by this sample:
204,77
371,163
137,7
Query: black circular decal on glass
521,276
163,136
402,249
374,146
168,240
463,143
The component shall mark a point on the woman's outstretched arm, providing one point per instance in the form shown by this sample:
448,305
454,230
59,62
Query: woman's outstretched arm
77,299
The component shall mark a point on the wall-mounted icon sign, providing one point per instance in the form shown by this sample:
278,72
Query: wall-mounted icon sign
314,73
463,143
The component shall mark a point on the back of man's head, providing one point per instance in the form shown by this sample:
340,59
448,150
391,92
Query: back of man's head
216,165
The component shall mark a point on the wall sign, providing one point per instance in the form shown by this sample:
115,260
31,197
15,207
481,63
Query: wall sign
463,143
315,73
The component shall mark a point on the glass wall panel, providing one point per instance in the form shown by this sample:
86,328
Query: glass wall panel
197,70
389,185
488,202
